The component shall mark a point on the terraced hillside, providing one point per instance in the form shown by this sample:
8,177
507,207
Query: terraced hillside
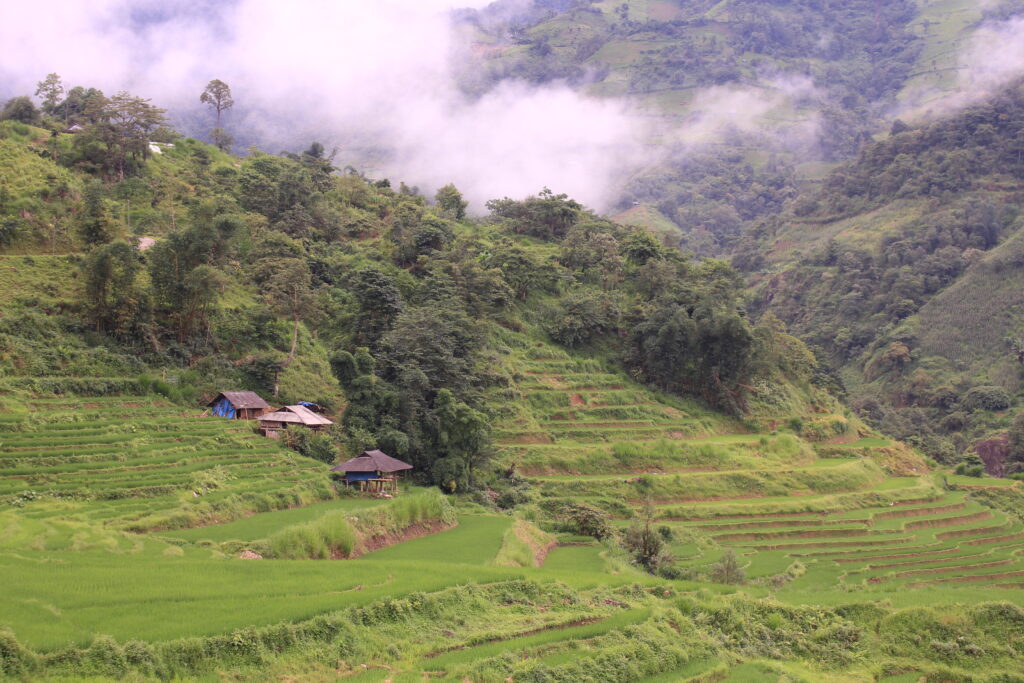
806,513
139,462
447,605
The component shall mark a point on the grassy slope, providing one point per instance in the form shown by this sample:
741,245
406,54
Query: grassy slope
968,322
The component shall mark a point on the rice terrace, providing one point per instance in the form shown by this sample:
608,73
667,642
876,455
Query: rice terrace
533,341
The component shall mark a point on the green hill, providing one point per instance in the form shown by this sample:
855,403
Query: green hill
639,481
903,270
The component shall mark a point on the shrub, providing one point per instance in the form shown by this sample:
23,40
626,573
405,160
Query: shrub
15,660
298,542
648,548
969,470
317,445
585,520
986,398
728,570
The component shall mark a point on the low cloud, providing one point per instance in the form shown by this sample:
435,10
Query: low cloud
375,78
991,59
785,106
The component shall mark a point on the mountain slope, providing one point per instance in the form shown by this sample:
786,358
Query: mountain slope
902,269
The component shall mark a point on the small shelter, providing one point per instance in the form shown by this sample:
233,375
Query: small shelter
272,423
239,405
73,130
373,471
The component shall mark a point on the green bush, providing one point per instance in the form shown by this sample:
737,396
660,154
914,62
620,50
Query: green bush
585,520
986,398
316,445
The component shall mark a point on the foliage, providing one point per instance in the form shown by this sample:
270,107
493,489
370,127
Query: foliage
585,520
317,445
20,109
728,569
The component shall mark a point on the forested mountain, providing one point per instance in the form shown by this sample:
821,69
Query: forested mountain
903,268
752,97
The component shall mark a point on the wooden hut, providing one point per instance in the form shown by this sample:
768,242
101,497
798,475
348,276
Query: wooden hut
272,423
373,471
239,405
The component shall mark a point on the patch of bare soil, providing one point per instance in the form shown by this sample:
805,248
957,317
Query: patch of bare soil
741,526
970,532
917,563
918,513
576,400
913,501
996,539
830,544
613,425
970,579
948,521
840,440
409,533
923,553
542,553
806,533
750,515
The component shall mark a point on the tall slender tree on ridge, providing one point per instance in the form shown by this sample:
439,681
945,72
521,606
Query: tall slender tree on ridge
218,96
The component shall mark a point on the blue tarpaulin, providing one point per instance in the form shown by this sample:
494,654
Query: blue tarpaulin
223,408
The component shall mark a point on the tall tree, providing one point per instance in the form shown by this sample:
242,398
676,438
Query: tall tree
20,109
289,291
218,96
51,90
127,123
96,226
112,298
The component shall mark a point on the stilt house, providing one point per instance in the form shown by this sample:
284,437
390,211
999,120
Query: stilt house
272,423
239,405
373,471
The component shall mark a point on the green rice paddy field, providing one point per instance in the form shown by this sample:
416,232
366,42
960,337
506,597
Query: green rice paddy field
124,518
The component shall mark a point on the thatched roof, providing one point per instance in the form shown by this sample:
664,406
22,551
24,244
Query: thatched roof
296,415
372,461
242,400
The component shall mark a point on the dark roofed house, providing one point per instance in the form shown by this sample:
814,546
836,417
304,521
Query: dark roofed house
239,405
373,471
272,423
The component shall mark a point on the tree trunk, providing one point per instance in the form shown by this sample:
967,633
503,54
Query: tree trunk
295,343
